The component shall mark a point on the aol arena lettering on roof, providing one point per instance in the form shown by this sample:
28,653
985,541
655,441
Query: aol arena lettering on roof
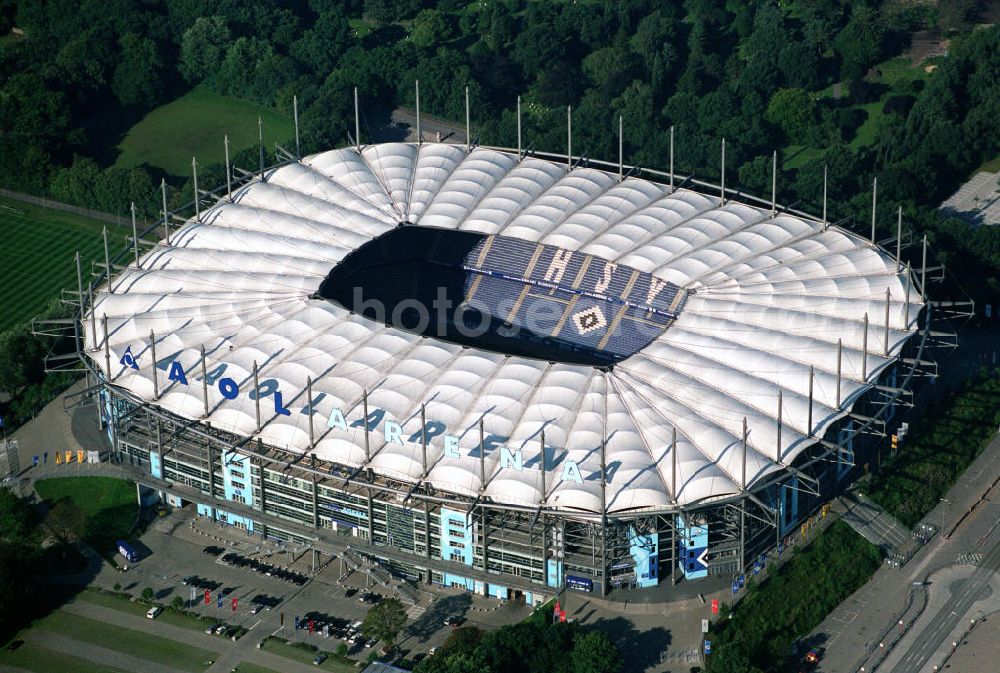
392,431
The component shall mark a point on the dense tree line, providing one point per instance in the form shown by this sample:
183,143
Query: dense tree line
746,71
20,554
532,646
758,636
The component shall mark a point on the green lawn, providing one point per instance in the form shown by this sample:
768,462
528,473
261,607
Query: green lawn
193,126
796,156
333,663
109,506
360,26
37,255
123,604
991,166
135,643
247,667
33,657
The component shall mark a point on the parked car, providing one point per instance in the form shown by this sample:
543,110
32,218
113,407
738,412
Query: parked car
454,621
255,609
153,612
320,658
220,629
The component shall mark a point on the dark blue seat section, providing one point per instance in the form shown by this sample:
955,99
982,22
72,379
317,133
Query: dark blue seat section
609,310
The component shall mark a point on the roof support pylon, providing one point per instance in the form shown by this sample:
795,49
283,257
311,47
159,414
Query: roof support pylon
518,128
229,169
825,223
722,172
812,379
673,465
309,401
874,205
671,158
204,380
295,114
364,410
107,349
260,145
864,351
468,124
542,464
621,149
888,301
774,183
416,86
569,137
357,122
197,197
135,236
777,448
840,359
107,260
152,349
256,395
482,457
166,215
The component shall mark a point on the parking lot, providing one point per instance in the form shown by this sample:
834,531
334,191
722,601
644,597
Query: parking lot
209,565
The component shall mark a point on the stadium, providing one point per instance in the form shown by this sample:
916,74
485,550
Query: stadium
506,372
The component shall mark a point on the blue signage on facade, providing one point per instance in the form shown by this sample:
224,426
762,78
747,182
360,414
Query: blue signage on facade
708,647
128,359
736,587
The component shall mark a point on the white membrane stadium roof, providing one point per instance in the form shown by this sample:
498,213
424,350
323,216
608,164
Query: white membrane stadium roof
769,299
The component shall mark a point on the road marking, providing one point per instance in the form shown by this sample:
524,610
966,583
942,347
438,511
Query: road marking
255,624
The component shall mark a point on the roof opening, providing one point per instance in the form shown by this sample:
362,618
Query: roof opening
504,294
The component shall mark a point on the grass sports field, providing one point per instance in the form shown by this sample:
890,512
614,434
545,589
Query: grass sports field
37,255
193,126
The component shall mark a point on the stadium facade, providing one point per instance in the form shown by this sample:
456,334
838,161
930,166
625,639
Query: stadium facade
497,371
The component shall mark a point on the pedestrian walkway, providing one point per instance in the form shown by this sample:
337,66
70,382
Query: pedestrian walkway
873,524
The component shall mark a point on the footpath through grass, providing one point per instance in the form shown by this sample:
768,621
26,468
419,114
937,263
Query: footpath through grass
37,255
792,601
34,657
128,641
194,125
109,506
942,445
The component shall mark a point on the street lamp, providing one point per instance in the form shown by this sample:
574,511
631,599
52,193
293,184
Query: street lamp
947,502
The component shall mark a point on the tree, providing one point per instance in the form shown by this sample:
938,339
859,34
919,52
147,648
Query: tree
595,653
384,621
21,359
203,46
860,43
147,594
793,111
177,603
138,79
65,520
429,28
19,554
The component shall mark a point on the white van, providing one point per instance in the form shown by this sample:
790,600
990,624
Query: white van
153,612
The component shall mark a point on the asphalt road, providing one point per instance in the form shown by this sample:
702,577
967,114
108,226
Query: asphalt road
933,638
869,617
